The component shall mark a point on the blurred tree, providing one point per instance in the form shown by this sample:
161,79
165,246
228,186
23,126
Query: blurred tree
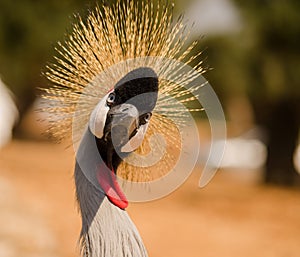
28,31
263,62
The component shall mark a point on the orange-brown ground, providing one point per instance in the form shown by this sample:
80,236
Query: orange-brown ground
230,217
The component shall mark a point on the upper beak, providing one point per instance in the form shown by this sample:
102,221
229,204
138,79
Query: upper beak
121,124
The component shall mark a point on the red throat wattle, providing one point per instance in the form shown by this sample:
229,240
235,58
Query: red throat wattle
108,182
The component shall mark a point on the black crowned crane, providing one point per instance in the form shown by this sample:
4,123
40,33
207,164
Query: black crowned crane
111,92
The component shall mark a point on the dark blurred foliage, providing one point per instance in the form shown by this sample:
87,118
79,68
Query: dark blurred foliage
262,62
263,58
29,30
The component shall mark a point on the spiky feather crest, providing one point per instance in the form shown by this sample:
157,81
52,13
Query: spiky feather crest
109,43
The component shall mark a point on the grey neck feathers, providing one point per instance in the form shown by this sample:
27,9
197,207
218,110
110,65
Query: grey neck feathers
107,231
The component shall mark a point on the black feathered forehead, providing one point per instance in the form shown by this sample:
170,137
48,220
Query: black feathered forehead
138,87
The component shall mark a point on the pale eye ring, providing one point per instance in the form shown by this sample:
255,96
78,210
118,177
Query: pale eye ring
111,98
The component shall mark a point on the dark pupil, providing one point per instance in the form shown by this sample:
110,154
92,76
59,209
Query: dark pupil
145,118
111,98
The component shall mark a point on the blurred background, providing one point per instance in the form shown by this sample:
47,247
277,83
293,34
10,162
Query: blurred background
251,208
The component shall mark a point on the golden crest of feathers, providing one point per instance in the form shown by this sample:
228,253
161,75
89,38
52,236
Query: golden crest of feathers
109,43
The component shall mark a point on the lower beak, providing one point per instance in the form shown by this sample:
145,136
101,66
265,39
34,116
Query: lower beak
122,123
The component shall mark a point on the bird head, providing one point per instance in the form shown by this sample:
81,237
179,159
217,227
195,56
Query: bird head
117,126
105,78
121,118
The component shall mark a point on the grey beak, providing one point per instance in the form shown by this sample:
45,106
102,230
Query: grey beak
122,122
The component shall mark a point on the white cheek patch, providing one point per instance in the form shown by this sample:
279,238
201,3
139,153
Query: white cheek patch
98,118
136,140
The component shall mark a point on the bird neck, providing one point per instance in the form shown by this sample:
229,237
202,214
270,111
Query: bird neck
106,229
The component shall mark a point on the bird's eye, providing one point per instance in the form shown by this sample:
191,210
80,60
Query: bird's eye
148,116
111,99
145,118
